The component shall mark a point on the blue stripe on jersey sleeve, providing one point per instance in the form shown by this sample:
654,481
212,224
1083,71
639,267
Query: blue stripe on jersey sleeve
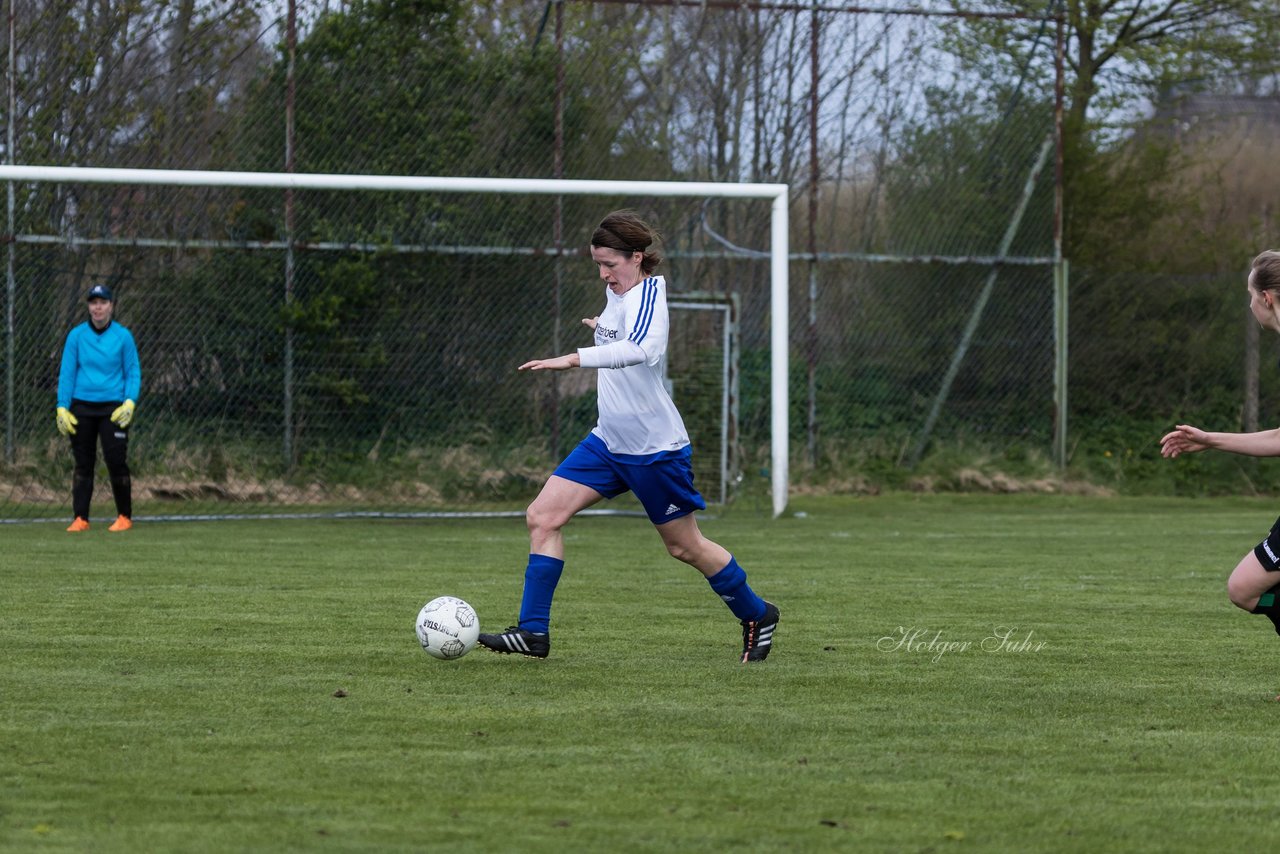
639,321
648,299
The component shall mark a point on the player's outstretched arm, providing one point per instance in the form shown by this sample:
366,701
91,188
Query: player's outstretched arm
559,363
1185,439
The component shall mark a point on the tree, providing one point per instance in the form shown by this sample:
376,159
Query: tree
124,84
412,87
1119,52
1120,56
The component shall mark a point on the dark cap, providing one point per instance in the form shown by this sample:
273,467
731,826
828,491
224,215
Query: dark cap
100,292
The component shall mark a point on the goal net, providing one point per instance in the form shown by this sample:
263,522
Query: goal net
702,376
347,344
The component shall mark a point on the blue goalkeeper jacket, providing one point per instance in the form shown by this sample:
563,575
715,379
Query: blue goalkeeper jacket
99,366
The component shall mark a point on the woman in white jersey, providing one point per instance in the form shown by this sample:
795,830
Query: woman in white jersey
639,444
1254,585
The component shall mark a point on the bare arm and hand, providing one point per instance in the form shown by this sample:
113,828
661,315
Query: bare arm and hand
1185,439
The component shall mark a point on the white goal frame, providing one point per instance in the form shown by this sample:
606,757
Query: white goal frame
779,240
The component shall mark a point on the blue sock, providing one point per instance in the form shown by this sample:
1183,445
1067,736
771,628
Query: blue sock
731,584
540,579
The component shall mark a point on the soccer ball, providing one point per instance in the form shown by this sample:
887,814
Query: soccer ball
447,627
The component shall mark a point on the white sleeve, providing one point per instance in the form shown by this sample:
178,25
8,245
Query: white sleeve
619,354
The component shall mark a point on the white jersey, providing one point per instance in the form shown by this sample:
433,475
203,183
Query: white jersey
637,416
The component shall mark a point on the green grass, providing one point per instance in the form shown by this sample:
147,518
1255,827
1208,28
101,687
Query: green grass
174,688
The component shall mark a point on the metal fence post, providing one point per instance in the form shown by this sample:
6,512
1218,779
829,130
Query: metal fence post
1060,344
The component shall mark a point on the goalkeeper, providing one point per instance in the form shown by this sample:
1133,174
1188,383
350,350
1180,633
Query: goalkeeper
98,384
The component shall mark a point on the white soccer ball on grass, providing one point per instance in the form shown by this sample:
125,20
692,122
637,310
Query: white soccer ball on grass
447,627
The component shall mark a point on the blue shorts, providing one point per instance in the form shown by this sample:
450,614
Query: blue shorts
663,483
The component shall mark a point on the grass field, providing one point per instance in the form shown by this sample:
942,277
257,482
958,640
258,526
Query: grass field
952,673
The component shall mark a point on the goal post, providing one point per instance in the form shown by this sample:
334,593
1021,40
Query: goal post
776,194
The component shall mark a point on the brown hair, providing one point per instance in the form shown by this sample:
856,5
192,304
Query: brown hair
1266,271
624,231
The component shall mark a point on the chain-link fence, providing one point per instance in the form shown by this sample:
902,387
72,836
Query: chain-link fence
356,350
1149,351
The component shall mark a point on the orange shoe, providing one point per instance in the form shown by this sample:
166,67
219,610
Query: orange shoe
122,523
78,525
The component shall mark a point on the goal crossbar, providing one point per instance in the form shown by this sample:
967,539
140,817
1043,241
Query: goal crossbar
779,247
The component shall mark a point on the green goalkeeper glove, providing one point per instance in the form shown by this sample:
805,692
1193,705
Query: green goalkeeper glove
123,414
66,422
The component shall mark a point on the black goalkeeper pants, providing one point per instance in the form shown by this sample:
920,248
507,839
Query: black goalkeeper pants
96,426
